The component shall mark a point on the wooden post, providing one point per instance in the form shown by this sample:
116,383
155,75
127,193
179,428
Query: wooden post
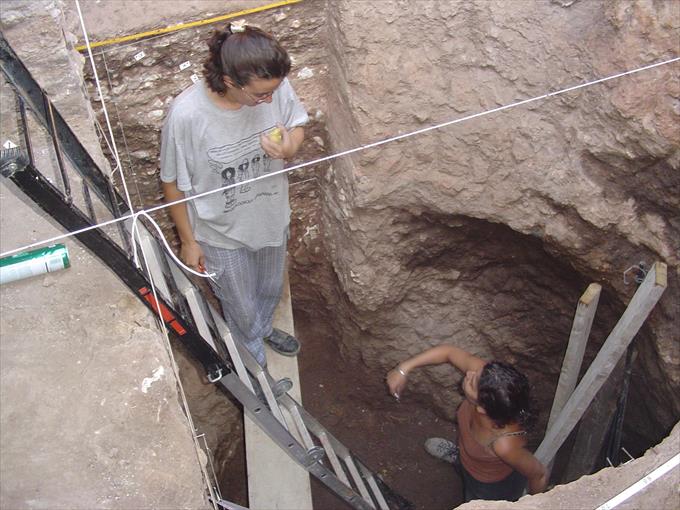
594,426
571,366
639,308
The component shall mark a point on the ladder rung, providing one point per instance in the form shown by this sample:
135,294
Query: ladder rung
242,360
198,313
333,458
317,429
181,281
358,481
377,494
155,260
228,505
301,427
223,330
271,399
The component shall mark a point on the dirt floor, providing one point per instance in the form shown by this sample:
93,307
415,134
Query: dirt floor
386,435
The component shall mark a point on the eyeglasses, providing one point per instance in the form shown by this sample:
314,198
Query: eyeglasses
258,98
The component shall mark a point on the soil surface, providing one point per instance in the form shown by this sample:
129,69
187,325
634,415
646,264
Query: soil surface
387,436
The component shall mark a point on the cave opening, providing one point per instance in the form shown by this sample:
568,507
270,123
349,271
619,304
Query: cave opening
473,283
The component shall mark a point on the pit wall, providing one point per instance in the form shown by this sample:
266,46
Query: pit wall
485,233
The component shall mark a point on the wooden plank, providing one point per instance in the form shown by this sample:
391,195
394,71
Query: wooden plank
639,308
275,481
594,427
573,358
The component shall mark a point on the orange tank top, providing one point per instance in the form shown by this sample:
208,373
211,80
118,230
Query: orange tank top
479,460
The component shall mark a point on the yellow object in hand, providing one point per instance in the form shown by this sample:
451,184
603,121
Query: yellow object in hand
275,135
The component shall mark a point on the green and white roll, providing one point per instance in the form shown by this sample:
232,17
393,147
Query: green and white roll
33,263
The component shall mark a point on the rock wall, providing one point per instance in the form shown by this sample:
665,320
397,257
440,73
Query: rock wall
485,233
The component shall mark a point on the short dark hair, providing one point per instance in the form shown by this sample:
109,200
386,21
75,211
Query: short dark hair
243,56
504,394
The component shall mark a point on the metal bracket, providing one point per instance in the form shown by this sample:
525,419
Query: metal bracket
281,386
215,373
639,273
630,457
316,453
12,161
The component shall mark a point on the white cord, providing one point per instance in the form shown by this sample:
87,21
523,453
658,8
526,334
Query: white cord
345,153
106,113
135,230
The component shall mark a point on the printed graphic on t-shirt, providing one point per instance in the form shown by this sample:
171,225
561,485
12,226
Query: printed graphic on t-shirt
239,162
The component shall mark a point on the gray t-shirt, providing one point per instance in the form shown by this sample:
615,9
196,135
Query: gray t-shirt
205,147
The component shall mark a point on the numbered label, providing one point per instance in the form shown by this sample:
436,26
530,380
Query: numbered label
184,65
139,56
195,78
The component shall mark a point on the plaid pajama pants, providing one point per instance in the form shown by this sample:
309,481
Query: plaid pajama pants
248,285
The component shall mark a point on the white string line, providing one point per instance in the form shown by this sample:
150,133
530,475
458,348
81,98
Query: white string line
106,113
345,153
175,370
117,169
209,454
122,133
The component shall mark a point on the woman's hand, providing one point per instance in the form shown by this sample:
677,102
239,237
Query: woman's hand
192,255
396,380
287,147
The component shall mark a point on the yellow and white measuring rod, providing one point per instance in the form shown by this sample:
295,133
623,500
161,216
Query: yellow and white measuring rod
182,26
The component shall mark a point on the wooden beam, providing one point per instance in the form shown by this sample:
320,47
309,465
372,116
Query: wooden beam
573,357
639,308
593,427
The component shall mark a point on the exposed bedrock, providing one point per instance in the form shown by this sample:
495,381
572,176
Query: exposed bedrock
485,233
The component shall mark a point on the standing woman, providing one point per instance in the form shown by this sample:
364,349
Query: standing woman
237,124
491,452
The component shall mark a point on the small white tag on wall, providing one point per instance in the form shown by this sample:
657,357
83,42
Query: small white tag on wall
195,78
139,56
184,65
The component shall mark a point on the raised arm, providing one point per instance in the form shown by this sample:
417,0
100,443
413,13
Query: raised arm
445,353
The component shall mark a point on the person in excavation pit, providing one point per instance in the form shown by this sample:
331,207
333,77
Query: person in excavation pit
240,122
490,453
